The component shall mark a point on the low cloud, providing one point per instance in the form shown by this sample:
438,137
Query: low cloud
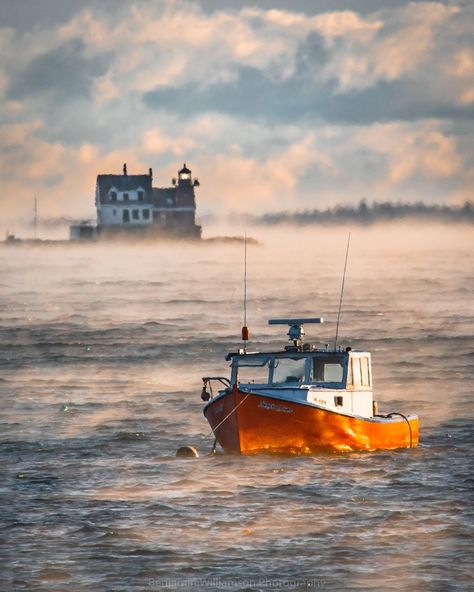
402,42
283,108
63,71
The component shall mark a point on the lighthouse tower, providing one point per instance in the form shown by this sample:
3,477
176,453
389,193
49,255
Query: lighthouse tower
175,207
185,190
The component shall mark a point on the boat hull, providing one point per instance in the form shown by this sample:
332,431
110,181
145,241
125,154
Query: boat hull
248,423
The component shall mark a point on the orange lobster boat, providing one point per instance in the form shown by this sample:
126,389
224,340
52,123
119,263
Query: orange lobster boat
302,400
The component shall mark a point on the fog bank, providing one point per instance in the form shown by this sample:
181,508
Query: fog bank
371,213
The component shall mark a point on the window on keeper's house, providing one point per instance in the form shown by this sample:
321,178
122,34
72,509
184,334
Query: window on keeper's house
125,197
136,214
113,196
141,195
146,214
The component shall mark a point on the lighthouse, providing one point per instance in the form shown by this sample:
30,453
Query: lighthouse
127,203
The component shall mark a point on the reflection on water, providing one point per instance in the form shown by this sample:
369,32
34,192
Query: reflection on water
102,352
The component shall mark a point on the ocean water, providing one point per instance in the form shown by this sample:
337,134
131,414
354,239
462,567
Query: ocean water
102,350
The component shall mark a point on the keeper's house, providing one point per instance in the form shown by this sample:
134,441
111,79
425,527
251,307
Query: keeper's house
129,204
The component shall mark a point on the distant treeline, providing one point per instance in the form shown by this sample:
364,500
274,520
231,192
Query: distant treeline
363,213
370,214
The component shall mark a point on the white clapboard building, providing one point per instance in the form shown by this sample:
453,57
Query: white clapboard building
129,204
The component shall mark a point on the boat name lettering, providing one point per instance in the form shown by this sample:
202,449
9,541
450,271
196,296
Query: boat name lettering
273,407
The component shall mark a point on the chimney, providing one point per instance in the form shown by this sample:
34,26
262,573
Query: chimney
125,169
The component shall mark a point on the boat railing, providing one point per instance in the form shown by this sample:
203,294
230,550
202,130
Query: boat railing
207,382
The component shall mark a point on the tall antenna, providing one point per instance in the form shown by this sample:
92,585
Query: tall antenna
35,220
342,291
245,329
245,280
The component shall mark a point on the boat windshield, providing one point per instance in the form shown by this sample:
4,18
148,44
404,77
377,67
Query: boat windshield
289,370
253,370
328,369
323,369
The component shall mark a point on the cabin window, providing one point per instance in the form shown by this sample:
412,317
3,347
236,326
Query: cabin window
125,216
355,367
364,372
289,370
136,214
329,369
146,214
253,371
350,376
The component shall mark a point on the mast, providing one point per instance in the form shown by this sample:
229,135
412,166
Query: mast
342,291
245,329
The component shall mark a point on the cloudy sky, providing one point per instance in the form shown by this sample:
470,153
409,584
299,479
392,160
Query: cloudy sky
274,105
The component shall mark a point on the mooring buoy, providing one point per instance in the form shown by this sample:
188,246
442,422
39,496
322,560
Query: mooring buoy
187,452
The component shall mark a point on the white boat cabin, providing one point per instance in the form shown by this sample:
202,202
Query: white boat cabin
340,380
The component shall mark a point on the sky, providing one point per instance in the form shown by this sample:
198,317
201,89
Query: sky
274,105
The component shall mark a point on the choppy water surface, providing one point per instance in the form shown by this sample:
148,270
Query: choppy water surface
102,352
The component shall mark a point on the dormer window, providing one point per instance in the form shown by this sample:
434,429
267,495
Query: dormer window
113,196
141,195
125,197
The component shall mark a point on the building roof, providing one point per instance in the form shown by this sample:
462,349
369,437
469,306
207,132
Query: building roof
179,195
123,183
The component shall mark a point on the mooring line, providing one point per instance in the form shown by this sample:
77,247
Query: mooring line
213,431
